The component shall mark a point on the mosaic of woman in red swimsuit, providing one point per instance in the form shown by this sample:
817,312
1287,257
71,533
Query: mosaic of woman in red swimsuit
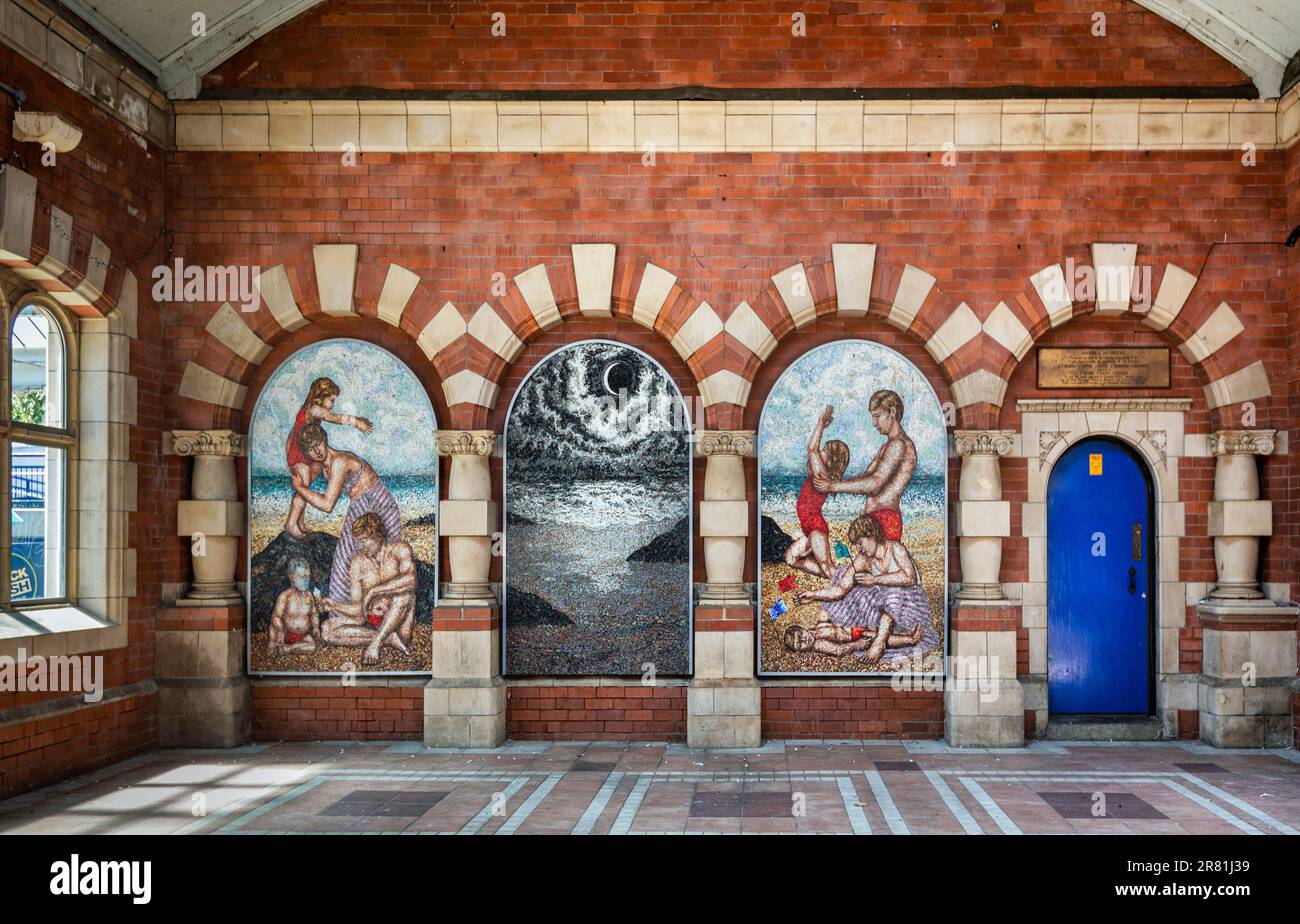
811,552
319,406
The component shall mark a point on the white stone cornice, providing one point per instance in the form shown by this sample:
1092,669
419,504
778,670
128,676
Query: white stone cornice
486,126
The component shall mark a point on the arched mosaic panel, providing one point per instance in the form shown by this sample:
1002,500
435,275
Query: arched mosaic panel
853,516
598,524
343,498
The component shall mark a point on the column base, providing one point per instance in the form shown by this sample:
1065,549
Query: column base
215,595
204,696
724,714
477,593
465,713
984,712
204,713
981,595
1233,716
715,594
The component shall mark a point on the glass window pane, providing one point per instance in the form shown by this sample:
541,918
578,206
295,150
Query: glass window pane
38,369
36,522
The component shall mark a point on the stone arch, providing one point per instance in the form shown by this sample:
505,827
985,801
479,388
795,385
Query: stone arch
1194,318
593,284
54,255
853,284
292,296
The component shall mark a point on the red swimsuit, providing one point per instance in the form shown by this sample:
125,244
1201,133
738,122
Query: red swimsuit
809,508
292,451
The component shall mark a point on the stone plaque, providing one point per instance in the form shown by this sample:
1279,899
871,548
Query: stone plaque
1103,367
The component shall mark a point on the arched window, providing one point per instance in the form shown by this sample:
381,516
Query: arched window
35,445
343,499
598,526
853,462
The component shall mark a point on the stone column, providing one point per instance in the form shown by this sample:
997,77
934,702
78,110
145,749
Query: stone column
983,699
724,699
468,517
1248,653
1237,517
199,643
465,702
724,515
983,517
213,517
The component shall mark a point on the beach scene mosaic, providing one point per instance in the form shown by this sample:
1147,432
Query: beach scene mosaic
343,500
853,531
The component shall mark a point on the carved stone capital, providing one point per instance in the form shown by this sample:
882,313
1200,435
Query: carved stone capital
1242,442
983,442
465,442
207,443
724,443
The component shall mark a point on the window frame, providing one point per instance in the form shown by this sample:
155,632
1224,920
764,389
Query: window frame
63,438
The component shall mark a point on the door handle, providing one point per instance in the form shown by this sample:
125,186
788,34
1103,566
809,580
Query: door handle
1137,541
1132,585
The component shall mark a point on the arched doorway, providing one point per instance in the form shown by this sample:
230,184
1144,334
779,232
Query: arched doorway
1100,582
598,518
342,501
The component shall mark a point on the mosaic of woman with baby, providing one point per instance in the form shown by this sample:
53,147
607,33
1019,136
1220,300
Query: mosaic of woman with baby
874,606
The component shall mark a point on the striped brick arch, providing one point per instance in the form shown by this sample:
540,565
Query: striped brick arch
1194,318
473,355
470,355
49,251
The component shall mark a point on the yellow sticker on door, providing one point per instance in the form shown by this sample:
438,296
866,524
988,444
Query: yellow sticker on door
1094,463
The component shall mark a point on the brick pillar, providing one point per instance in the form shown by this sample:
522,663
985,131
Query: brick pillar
723,699
199,645
465,702
1248,645
983,701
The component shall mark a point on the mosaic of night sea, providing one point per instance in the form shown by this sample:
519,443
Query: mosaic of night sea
598,502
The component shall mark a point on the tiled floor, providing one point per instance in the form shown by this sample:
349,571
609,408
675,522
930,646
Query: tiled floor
872,787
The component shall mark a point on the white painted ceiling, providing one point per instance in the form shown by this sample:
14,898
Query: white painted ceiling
1259,36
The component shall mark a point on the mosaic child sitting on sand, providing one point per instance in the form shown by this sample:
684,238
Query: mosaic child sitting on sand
878,594
381,607
295,623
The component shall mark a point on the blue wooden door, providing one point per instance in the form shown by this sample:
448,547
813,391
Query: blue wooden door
1099,600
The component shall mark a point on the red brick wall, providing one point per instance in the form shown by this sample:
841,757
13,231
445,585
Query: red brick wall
596,713
332,712
851,712
412,44
112,186
724,223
